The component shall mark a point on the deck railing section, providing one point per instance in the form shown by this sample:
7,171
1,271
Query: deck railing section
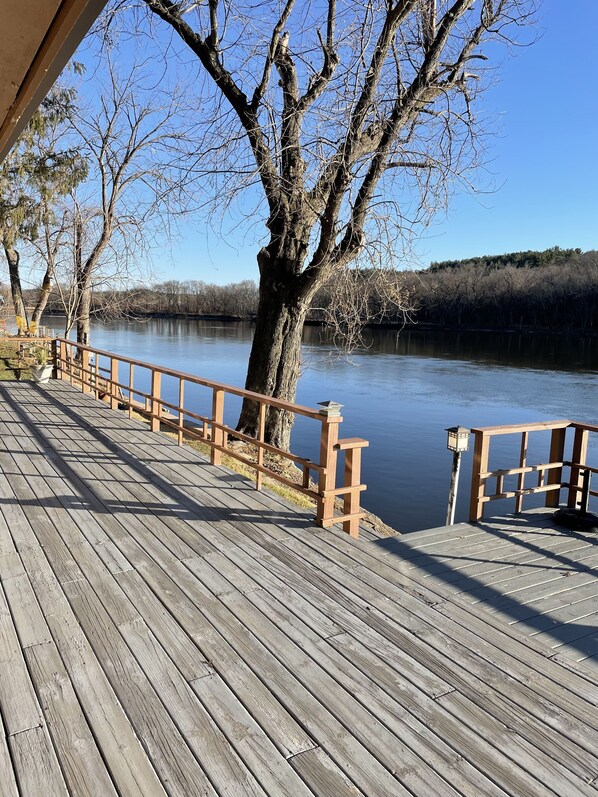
549,474
81,366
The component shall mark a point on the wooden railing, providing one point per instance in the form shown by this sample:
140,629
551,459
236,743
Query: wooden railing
549,474
75,363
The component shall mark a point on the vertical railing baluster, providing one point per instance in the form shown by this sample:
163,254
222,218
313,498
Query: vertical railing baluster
260,451
521,479
131,391
85,387
500,483
181,414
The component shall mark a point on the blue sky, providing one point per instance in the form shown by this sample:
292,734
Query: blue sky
543,162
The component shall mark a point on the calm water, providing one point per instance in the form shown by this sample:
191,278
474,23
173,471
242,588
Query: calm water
400,393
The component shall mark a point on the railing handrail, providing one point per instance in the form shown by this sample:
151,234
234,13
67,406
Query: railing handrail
280,404
538,426
106,383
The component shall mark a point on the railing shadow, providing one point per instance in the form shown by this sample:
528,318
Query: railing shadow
581,637
181,504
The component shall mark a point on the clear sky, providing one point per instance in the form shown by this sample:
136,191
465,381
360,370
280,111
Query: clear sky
543,162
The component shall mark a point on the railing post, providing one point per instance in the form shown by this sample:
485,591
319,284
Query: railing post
328,457
555,475
353,480
260,451
114,382
478,485
85,388
217,432
578,457
156,406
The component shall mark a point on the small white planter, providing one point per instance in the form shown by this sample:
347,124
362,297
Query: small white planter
42,373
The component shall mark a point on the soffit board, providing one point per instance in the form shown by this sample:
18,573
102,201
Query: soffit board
38,38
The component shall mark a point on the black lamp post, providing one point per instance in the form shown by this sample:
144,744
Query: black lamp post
457,442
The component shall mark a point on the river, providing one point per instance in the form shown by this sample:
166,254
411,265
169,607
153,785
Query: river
400,392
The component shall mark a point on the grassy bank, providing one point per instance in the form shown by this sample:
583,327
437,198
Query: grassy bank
12,365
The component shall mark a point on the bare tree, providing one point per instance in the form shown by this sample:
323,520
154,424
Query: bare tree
352,118
132,140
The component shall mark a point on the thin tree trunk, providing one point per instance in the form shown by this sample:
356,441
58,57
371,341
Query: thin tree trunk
12,256
83,315
275,360
44,295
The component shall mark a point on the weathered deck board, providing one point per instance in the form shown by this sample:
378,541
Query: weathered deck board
170,630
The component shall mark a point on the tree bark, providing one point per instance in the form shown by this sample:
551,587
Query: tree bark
83,315
275,358
42,299
12,256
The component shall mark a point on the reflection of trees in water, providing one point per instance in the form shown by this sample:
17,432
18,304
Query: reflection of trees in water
532,350
526,350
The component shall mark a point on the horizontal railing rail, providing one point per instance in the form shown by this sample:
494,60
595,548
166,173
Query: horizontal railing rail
74,362
549,474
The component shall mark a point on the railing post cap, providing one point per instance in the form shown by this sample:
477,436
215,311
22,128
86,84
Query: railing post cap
331,409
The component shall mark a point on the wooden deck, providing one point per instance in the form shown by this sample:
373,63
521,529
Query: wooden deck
164,629
523,570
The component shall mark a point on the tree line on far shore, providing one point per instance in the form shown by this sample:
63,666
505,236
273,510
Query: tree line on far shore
552,290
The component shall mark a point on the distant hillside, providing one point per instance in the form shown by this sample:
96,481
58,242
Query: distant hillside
529,259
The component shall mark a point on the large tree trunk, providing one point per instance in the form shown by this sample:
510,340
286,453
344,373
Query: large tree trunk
12,256
275,359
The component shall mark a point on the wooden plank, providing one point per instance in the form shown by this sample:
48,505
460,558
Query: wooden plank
249,740
322,775
36,766
277,577
80,760
504,756
383,729
167,748
120,746
468,672
29,621
223,766
8,781
549,771
283,729
18,702
181,648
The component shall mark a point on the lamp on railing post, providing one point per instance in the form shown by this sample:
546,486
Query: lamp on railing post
457,441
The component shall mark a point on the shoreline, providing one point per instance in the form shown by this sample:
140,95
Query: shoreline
407,327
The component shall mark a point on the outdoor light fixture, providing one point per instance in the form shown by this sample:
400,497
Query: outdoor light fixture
457,441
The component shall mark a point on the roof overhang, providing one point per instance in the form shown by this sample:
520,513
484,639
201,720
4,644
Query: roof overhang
38,38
